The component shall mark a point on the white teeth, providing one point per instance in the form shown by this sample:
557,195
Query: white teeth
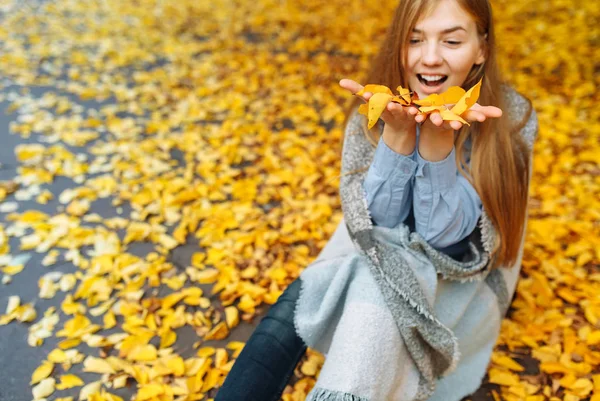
432,77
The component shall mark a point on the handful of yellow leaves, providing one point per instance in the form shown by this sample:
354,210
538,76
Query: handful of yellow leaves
459,99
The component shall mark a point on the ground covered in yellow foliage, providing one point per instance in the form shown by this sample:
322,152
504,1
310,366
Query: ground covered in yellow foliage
217,125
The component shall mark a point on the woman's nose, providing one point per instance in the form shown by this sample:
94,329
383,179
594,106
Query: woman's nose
430,54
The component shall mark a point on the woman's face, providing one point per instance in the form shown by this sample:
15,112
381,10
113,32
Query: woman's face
442,49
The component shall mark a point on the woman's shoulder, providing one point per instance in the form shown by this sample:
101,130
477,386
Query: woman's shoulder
521,113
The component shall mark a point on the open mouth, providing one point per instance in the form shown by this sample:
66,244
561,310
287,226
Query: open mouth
432,80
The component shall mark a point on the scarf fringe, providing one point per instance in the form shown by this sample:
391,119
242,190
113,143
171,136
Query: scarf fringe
321,394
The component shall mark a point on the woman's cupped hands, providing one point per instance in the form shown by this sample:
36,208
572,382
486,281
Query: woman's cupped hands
397,117
400,117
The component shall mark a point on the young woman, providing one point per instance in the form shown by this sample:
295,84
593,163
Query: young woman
407,298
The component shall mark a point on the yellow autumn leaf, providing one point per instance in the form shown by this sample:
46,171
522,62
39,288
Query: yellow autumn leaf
26,313
504,378
453,95
13,303
176,364
232,316
207,276
221,358
143,353
467,100
593,338
109,320
167,339
553,367
373,88
70,343
236,347
42,372
364,109
219,332
432,100
89,389
69,381
211,380
8,187
450,96
44,389
448,115
507,362
97,365
57,355
172,299
309,368
404,95
119,382
12,270
377,104
206,352
149,391
429,109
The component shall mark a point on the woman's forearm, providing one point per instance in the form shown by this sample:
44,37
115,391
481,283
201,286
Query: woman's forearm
400,142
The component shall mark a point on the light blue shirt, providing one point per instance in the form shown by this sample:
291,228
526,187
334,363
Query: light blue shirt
446,207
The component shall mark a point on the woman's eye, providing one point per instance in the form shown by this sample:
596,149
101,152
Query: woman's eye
453,42
414,41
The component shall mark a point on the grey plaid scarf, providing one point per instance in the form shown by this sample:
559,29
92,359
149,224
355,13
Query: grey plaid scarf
432,346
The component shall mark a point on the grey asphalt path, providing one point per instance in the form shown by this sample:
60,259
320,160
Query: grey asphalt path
17,359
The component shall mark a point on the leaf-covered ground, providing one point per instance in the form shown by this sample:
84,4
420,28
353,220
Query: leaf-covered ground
216,126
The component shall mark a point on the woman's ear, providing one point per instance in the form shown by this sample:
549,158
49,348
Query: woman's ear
482,50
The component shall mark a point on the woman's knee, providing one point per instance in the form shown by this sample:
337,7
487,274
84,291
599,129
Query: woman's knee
285,307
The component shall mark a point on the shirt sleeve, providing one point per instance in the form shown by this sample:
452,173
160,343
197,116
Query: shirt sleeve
388,185
446,206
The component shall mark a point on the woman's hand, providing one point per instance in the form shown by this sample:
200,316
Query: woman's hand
476,113
437,136
396,117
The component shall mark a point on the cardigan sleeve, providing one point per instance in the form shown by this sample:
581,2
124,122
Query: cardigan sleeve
446,206
388,185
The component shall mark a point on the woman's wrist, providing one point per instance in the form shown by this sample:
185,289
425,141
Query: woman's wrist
401,141
435,144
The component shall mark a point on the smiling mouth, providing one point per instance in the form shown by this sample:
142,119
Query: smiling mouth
432,80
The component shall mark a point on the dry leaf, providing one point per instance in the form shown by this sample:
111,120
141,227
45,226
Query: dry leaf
42,372
456,96
69,381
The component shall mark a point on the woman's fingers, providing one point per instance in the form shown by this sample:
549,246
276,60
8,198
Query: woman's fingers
436,119
488,111
355,87
351,85
399,112
472,115
456,125
482,113
492,112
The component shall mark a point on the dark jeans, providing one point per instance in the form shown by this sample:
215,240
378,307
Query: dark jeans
267,362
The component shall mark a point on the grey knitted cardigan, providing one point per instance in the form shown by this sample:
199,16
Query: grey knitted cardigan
368,270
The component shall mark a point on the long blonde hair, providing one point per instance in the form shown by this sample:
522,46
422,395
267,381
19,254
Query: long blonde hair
499,164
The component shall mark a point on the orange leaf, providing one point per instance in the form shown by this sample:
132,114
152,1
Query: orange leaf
377,104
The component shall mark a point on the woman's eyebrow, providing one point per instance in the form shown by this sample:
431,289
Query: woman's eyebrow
449,30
